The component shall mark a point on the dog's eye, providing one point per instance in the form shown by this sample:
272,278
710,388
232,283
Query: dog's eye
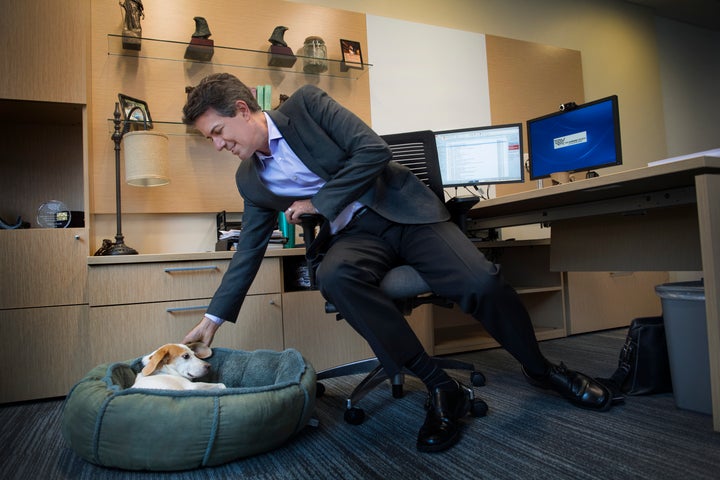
186,356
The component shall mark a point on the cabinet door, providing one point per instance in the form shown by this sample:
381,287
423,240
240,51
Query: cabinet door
44,45
43,267
124,332
602,300
40,351
324,341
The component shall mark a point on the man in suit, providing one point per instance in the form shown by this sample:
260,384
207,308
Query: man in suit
311,155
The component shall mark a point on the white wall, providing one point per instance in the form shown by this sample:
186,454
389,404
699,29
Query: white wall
450,92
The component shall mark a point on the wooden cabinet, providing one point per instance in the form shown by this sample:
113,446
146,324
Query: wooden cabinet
41,351
603,300
43,267
526,266
323,340
43,299
44,47
42,306
122,332
137,307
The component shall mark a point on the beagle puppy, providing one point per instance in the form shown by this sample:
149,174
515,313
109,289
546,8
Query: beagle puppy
174,367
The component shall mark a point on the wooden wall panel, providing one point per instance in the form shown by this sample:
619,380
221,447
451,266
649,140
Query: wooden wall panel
528,80
43,50
202,180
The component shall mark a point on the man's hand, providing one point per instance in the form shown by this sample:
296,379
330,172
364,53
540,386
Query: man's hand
203,332
298,208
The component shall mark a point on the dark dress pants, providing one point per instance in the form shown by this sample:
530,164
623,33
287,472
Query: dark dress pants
361,254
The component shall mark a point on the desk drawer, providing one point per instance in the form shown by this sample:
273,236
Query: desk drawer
122,332
151,282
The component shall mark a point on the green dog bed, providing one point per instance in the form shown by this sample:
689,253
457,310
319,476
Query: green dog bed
270,397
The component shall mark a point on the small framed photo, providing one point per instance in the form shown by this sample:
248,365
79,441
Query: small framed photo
135,110
351,54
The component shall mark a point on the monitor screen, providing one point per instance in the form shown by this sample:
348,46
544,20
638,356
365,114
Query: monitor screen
481,155
581,138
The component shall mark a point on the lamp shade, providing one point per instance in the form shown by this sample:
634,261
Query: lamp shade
146,158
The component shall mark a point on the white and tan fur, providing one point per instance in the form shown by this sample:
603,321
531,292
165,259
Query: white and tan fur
174,367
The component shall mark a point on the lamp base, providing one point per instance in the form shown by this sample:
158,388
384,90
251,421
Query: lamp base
117,248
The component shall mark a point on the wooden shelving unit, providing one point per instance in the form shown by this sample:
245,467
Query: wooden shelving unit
526,265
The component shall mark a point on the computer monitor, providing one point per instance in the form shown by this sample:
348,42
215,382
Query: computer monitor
480,155
576,138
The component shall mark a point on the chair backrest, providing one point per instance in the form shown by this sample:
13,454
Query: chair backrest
418,152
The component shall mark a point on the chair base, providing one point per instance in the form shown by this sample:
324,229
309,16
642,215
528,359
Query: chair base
376,375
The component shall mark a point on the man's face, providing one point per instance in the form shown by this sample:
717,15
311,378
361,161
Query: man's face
242,135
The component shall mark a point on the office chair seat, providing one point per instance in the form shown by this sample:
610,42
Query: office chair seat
403,282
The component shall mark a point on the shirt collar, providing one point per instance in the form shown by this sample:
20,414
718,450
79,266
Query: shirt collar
274,136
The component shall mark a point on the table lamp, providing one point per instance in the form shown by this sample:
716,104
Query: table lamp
146,165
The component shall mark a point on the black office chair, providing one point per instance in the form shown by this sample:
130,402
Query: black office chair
417,151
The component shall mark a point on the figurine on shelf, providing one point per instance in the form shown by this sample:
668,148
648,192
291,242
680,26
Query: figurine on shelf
277,37
201,48
202,30
132,30
280,55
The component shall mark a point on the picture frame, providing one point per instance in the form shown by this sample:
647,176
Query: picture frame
140,115
351,54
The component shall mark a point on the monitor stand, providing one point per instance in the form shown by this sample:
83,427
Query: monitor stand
458,207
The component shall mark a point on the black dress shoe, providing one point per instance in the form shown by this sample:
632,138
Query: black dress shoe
441,429
577,387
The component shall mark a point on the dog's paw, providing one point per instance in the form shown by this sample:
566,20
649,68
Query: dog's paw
221,386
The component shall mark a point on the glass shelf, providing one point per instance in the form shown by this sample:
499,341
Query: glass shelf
168,128
170,50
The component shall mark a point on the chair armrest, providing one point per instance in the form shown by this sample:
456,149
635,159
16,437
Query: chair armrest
309,223
458,208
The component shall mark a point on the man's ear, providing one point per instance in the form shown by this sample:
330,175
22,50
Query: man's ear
242,109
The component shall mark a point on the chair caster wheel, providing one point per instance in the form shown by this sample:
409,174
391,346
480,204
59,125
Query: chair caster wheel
477,379
397,391
354,416
319,390
478,408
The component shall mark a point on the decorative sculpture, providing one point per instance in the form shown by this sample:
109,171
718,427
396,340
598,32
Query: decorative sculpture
280,55
277,36
201,48
202,30
132,30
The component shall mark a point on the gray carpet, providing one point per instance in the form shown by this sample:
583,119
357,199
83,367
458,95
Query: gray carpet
527,434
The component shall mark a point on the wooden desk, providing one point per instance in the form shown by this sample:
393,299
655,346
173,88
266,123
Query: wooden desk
665,217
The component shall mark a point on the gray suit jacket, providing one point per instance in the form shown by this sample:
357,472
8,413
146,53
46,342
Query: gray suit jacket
354,161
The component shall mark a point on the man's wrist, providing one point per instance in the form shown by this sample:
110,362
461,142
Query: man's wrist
214,319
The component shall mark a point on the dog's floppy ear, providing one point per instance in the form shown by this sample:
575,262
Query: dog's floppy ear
156,360
200,349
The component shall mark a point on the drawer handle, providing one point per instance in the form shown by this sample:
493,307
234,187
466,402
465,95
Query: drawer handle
186,309
190,269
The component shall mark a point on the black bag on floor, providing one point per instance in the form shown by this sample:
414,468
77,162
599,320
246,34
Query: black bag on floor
643,367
